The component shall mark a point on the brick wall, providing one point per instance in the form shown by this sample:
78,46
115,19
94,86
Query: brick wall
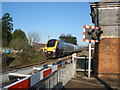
108,61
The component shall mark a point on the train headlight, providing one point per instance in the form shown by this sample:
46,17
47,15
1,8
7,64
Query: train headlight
54,50
45,50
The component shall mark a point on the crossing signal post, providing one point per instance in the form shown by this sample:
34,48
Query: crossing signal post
91,34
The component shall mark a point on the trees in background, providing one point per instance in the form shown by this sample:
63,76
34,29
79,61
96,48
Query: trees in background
16,40
7,28
19,40
18,33
68,38
33,37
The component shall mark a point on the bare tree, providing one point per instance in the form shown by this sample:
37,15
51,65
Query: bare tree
33,37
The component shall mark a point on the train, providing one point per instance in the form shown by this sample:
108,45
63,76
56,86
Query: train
56,48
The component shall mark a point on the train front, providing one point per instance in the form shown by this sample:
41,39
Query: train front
50,48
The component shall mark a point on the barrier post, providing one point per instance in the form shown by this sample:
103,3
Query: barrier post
72,57
89,62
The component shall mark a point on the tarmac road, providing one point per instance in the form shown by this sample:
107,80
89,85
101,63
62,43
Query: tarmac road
4,77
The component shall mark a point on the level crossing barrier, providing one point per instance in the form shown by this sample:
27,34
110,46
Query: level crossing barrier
54,76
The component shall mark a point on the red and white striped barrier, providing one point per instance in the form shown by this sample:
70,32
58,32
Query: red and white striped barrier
24,83
36,78
30,81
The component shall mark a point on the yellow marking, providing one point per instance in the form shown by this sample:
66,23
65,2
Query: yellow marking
51,48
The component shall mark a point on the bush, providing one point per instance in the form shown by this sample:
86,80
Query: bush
22,58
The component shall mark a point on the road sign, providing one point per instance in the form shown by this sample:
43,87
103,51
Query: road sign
91,33
7,51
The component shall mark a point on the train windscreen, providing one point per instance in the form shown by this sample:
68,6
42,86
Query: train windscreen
51,43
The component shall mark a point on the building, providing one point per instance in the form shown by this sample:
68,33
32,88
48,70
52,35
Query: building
39,46
105,14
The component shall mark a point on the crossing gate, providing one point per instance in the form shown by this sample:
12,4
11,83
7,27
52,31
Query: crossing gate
55,76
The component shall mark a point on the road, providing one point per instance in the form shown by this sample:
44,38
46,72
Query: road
4,76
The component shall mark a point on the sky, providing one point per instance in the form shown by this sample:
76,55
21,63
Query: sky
50,18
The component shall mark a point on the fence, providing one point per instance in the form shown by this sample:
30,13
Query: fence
55,76
57,79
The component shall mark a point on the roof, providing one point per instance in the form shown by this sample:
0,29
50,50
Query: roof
110,1
40,44
106,3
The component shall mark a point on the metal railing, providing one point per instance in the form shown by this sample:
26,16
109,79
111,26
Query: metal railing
57,79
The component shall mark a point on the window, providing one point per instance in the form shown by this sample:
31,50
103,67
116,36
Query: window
51,43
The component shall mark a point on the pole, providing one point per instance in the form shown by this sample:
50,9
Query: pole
48,37
89,62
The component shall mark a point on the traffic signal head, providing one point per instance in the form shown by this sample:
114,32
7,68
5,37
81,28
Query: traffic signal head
100,32
91,31
91,34
96,35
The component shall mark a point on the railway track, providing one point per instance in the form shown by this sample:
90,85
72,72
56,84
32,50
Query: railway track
47,61
43,62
